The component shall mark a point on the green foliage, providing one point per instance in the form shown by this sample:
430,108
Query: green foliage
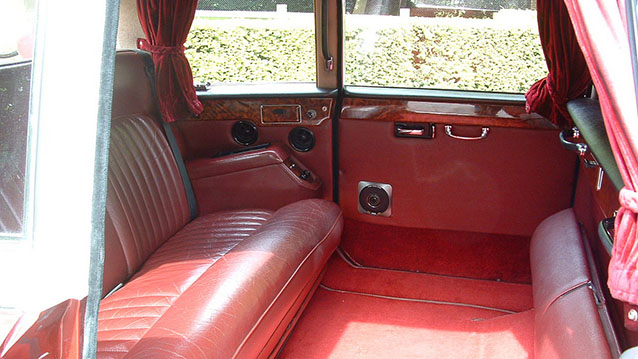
417,55
255,5
242,54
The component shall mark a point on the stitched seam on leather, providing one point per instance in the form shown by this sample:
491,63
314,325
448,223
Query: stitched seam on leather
140,129
150,160
295,318
158,154
185,290
257,223
123,197
566,291
142,246
236,239
312,251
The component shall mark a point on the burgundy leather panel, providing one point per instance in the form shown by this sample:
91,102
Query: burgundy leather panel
570,328
187,303
269,187
116,269
220,286
132,92
557,258
204,139
278,337
255,179
128,314
146,201
56,333
506,184
216,166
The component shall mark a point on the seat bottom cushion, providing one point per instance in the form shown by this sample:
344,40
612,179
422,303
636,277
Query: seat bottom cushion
221,285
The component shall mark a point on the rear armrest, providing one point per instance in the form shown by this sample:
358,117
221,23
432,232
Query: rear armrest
267,178
216,166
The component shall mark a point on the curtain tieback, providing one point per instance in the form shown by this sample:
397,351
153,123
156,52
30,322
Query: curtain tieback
560,102
143,44
628,199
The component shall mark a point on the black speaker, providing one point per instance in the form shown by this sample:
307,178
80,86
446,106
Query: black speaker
245,132
375,198
301,139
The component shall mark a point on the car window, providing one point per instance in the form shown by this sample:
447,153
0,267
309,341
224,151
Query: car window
245,41
16,50
477,45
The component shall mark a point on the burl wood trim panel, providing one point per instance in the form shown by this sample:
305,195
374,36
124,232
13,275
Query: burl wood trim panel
251,109
453,113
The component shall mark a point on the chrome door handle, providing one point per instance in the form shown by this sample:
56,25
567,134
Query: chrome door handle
414,130
411,131
484,132
579,147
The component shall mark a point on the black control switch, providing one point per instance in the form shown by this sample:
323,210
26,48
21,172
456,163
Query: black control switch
305,175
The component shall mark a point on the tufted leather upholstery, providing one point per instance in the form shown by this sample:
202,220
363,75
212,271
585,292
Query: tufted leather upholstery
146,202
567,321
222,286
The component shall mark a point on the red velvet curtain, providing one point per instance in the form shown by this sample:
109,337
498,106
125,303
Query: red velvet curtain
166,24
568,77
602,33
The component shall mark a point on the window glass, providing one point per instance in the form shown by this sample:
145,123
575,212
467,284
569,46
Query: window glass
247,41
16,50
477,45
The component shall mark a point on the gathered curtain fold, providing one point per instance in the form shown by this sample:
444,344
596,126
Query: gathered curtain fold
601,29
568,77
166,24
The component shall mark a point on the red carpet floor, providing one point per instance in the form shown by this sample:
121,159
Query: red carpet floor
375,313
350,326
507,296
454,253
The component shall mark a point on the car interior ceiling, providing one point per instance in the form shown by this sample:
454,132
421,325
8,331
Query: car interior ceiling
348,223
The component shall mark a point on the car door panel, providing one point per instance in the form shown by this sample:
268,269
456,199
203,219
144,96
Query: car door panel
207,136
506,183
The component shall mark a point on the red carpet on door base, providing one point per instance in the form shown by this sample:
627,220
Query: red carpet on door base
340,325
508,296
454,253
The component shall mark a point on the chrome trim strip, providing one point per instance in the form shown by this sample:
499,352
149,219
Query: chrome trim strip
417,300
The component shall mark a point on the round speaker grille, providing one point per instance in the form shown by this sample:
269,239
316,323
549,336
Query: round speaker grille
374,199
244,132
301,139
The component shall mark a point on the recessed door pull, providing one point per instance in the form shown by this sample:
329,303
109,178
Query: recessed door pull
411,131
414,130
484,132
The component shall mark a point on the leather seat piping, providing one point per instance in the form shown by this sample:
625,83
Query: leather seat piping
254,327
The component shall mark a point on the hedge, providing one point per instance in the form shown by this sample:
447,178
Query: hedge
307,5
255,5
412,55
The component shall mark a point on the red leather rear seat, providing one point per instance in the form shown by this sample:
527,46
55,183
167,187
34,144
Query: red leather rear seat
568,324
225,285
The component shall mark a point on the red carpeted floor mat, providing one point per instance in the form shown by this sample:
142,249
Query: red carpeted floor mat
340,325
453,253
506,296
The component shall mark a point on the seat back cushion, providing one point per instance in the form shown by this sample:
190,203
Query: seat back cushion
557,259
571,329
146,200
567,322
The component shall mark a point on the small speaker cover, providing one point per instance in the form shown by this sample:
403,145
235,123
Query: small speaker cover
301,139
375,198
245,132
